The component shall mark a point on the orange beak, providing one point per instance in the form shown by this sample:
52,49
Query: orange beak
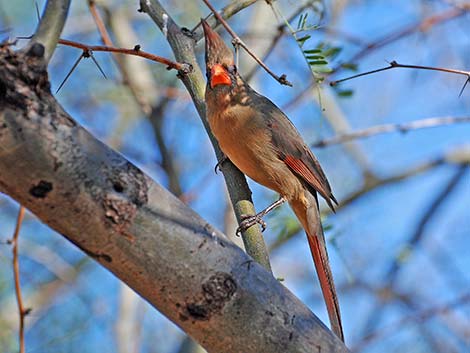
219,76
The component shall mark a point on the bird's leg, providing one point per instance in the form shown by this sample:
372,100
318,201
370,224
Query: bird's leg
221,161
248,221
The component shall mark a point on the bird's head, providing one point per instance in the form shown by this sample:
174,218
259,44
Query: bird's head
220,66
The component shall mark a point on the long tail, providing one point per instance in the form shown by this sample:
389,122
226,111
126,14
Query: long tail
308,214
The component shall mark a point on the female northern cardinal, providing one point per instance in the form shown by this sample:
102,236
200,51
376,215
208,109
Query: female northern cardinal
263,143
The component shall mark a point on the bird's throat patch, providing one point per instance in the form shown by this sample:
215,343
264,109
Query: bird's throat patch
219,76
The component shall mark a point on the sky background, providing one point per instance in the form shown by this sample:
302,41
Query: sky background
77,304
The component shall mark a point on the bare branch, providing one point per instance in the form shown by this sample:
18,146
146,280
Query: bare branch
228,11
394,65
141,85
390,38
136,51
50,27
385,128
22,311
100,24
414,317
423,25
408,247
276,38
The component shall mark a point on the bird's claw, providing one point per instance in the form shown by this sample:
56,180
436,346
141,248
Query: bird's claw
219,163
249,221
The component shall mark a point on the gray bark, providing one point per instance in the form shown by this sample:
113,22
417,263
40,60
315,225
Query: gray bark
136,229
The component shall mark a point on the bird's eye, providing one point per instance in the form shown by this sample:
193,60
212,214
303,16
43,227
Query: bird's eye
232,69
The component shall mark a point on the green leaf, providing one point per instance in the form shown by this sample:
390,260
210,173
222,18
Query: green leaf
324,69
318,62
299,21
349,66
315,57
312,51
332,52
304,20
345,93
302,40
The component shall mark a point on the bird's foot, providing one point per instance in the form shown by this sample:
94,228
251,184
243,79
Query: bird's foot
220,162
249,221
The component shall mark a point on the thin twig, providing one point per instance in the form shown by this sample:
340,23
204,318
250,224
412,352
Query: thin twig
394,65
414,317
387,39
407,249
154,113
16,272
238,42
228,11
181,67
100,24
275,40
423,26
402,127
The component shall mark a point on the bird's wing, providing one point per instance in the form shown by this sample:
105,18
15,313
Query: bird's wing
293,151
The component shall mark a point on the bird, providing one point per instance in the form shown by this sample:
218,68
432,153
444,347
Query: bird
261,141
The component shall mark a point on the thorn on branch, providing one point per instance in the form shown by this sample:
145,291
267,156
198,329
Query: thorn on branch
70,72
182,68
463,87
97,64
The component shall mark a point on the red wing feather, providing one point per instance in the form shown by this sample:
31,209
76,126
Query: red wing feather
300,168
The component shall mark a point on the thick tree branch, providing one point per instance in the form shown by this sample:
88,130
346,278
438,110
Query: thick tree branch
182,45
50,27
138,230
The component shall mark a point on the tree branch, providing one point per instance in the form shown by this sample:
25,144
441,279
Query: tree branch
240,195
50,27
228,11
142,87
398,262
136,51
138,230
22,311
402,127
393,65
